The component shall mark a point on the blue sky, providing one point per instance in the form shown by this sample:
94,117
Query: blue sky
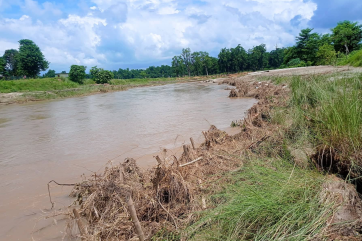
138,33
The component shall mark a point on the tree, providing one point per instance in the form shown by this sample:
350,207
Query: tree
205,61
238,59
101,76
2,66
11,63
224,60
347,36
186,57
326,55
30,59
50,74
276,57
258,59
77,73
307,45
196,63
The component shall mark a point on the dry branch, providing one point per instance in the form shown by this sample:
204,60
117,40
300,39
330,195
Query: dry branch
189,163
81,227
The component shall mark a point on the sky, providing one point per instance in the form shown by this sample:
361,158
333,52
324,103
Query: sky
115,34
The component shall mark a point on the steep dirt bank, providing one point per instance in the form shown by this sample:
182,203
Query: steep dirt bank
168,196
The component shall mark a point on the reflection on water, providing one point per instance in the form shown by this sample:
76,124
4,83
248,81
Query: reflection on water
63,139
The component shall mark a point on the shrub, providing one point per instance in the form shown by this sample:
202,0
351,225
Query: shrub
294,62
77,73
326,55
101,76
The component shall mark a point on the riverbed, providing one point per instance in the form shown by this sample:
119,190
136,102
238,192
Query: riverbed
65,139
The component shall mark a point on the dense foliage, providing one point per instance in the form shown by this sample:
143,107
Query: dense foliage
49,74
30,59
77,73
101,76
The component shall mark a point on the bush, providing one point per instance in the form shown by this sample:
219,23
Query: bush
77,73
101,76
294,62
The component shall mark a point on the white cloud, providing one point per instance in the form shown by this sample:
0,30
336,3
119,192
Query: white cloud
115,32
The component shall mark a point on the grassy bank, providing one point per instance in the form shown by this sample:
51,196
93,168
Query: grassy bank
53,88
354,59
271,200
277,194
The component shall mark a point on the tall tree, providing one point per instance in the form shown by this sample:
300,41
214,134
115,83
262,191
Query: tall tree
307,45
238,58
186,57
11,62
276,57
2,66
50,74
347,36
224,60
30,59
205,61
196,62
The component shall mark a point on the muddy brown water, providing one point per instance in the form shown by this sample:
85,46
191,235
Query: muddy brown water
64,139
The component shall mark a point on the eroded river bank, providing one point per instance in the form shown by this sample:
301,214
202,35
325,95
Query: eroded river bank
60,140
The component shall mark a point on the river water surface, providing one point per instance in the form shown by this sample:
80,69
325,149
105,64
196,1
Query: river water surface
63,139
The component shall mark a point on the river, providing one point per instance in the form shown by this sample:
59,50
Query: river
64,139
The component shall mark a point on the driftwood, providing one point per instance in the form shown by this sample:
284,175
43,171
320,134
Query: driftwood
131,207
192,143
135,220
158,160
59,184
81,227
189,163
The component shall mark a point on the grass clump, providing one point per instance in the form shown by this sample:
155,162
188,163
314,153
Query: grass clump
271,200
332,105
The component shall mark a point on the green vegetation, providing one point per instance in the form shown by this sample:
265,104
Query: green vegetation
354,59
272,197
27,85
267,200
77,73
49,74
30,59
101,76
332,106
347,36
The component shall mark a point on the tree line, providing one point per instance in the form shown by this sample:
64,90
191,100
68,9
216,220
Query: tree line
310,49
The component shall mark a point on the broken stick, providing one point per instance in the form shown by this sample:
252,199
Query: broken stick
81,227
132,209
189,163
192,143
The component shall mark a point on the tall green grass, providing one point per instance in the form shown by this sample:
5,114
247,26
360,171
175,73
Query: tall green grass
271,200
26,85
354,59
333,104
